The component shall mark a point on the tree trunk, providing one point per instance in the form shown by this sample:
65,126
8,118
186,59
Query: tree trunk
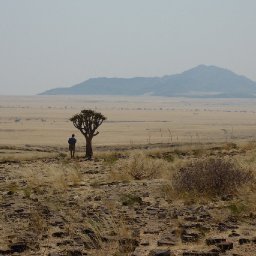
89,152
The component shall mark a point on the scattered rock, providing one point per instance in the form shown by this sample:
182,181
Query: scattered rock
227,226
214,241
19,247
145,243
244,241
97,198
160,253
165,242
188,237
54,254
152,230
234,234
10,193
225,246
200,254
74,253
5,252
65,242
60,234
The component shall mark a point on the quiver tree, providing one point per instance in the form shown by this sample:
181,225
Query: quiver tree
87,122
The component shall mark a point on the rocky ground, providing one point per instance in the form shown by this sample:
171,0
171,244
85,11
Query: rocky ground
61,207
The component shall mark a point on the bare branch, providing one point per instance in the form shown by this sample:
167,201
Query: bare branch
95,134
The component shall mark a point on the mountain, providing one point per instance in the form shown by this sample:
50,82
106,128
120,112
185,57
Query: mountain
201,81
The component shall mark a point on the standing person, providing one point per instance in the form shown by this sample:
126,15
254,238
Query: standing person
72,145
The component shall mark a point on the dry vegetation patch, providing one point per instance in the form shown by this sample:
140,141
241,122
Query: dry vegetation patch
139,166
212,177
51,206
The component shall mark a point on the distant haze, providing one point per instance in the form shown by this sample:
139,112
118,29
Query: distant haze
46,44
201,81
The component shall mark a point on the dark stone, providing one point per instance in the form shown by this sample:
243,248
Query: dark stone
160,253
60,234
46,211
65,242
92,172
191,225
200,254
144,243
58,223
162,215
19,247
5,252
213,241
165,242
19,210
225,246
89,232
74,253
151,231
227,197
204,217
97,198
227,226
78,241
244,241
6,205
190,237
233,234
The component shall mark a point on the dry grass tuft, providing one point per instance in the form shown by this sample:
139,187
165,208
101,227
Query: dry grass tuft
57,176
108,157
139,166
27,156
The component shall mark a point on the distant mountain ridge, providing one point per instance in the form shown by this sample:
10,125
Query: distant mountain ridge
201,81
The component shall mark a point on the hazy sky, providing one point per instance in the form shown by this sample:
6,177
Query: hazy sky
57,43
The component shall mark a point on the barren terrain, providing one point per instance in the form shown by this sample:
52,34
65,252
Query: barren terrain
44,120
124,202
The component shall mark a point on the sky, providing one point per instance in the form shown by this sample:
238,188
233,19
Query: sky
46,44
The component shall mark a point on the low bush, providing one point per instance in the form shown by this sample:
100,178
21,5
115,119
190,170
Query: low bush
211,176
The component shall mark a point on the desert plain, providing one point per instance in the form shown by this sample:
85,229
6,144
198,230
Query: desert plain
128,200
44,120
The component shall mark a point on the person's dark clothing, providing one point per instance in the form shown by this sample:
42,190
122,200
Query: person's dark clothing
72,141
72,145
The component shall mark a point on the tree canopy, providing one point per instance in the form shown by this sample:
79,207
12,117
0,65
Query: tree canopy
87,122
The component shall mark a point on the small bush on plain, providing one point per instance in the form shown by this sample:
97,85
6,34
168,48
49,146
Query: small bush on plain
211,176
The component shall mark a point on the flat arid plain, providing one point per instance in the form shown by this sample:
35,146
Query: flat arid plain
170,176
44,120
